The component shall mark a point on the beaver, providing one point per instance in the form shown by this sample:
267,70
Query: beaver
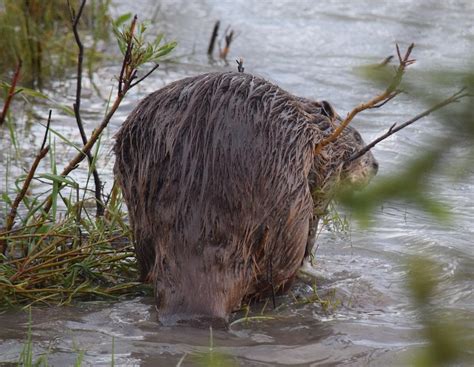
224,190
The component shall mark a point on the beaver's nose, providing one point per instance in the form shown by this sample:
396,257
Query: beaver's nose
375,166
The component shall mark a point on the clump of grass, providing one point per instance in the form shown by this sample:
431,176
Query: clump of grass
54,263
26,355
53,258
329,303
334,220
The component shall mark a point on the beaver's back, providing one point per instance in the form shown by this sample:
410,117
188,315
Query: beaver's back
215,170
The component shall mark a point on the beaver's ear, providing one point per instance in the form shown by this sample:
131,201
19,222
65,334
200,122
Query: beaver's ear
328,110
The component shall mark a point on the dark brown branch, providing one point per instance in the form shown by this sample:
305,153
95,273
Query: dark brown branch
11,92
77,107
144,76
80,55
387,94
43,144
212,41
385,61
26,184
395,128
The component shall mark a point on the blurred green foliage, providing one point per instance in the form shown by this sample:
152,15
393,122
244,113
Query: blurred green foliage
447,342
411,183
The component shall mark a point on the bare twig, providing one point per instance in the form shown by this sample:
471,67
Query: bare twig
48,123
11,216
77,106
75,21
20,196
395,128
385,61
388,94
212,41
138,81
11,92
240,65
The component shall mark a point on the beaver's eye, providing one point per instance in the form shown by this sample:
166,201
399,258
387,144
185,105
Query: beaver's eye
324,125
358,138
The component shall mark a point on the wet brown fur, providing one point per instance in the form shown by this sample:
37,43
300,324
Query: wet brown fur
221,185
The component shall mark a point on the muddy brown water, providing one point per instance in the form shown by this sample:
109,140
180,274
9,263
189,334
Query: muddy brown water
312,50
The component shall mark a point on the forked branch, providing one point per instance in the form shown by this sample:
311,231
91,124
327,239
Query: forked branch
456,97
378,101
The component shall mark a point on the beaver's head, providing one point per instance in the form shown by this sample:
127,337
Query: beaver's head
356,173
336,163
333,166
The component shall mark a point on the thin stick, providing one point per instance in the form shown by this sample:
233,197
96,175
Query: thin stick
48,123
389,93
22,193
212,41
77,108
20,196
386,61
80,56
240,65
395,128
145,76
11,92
